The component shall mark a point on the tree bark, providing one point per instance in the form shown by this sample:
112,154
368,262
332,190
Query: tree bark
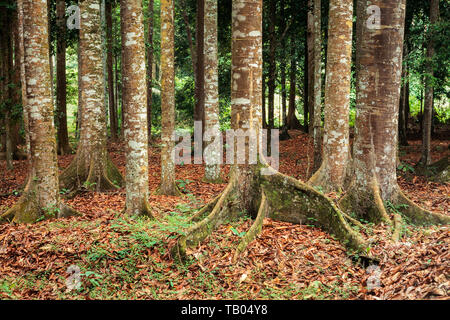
429,90
292,121
332,172
200,71
167,186
61,89
92,167
213,152
272,63
109,66
317,95
135,98
379,63
150,68
41,196
256,189
283,120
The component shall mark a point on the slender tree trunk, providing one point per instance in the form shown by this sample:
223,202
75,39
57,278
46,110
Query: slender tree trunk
213,152
264,107
5,79
92,167
317,106
306,80
168,186
41,195
283,119
135,98
200,74
310,46
189,38
404,101
379,65
61,89
332,172
272,63
292,121
109,65
150,68
429,90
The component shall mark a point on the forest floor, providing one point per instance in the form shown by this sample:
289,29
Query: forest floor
121,258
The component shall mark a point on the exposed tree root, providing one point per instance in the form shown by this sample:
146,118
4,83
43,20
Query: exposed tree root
417,215
372,207
93,177
254,230
438,171
281,198
27,209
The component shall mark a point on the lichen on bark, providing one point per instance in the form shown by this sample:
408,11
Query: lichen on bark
92,168
40,199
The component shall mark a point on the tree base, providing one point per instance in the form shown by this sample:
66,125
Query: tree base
370,206
78,176
27,209
281,198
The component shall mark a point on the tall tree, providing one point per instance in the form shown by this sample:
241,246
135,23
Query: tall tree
310,65
214,149
200,63
429,89
167,186
271,83
61,85
41,195
150,53
109,66
332,172
292,121
135,98
283,64
255,188
6,68
317,94
92,167
379,65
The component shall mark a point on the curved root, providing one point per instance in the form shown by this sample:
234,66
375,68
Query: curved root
254,230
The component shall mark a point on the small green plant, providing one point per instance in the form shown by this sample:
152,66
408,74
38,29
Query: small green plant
182,185
89,185
405,167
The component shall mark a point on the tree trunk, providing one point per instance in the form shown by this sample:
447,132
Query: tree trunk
109,66
150,68
404,101
425,160
213,152
310,46
332,172
92,167
61,89
5,79
200,64
257,189
379,63
167,186
283,120
317,95
292,121
135,98
41,195
272,63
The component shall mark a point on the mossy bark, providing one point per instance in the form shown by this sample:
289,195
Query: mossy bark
40,199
